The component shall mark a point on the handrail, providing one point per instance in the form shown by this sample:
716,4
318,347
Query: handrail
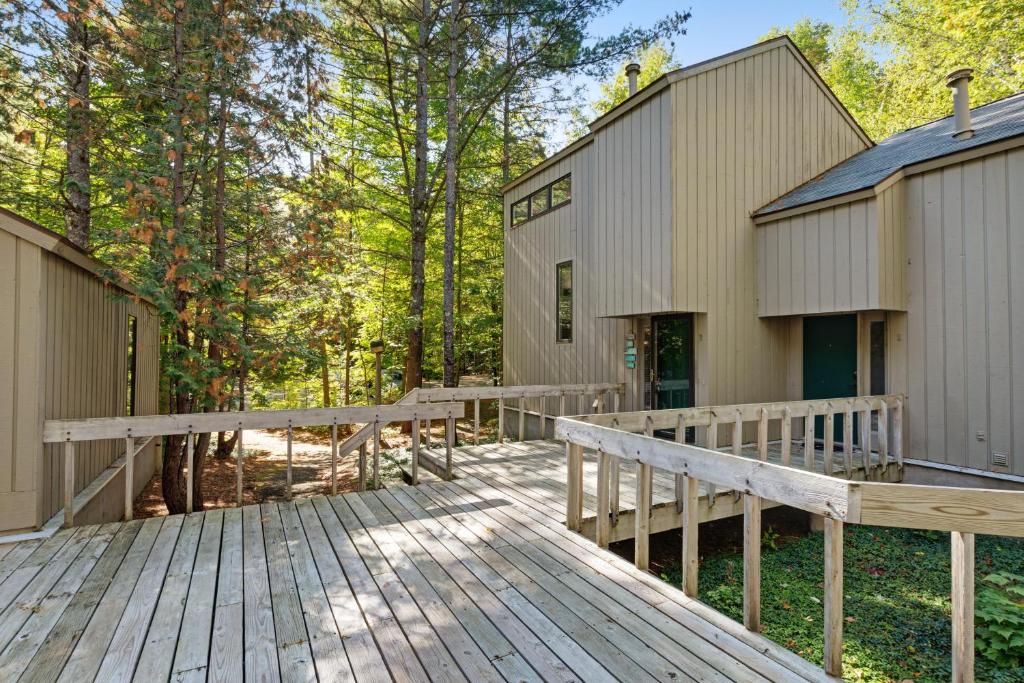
147,427
961,511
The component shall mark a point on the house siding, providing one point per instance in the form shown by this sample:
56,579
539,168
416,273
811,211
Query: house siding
745,132
964,370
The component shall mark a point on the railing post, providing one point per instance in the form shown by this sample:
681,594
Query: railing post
865,440
543,421
501,419
426,436
239,465
449,433
829,452
129,476
414,468
883,436
69,483
809,440
476,422
680,480
897,432
691,529
962,551
833,597
561,403
786,434
613,483
752,539
712,445
190,457
848,441
376,454
574,484
642,541
521,404
288,487
334,457
600,403
362,466
604,528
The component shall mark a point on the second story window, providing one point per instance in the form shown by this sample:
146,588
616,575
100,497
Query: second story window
539,202
563,298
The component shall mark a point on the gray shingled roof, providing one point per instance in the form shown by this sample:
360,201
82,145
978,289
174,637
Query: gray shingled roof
991,122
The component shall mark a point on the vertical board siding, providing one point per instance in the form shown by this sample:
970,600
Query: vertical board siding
632,209
964,369
746,133
84,338
532,249
850,257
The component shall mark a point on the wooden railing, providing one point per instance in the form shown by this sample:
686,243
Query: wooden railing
146,428
961,511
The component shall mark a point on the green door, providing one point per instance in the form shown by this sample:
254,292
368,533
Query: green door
673,361
830,362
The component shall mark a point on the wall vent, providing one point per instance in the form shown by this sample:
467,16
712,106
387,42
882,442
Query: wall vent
1000,460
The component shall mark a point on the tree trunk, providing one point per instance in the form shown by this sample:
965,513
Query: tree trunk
450,175
506,105
325,375
414,350
77,184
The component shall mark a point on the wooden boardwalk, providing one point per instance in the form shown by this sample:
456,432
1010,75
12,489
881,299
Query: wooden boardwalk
471,580
538,470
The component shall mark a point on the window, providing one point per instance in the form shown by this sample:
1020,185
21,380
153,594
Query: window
563,296
520,211
547,198
133,347
561,191
540,202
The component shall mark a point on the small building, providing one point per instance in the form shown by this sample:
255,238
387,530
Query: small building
729,234
71,346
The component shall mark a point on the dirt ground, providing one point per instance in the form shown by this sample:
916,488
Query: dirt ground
266,465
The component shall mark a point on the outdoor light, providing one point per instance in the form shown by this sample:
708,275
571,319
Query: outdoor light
377,346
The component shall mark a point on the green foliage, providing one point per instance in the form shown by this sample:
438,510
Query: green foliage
896,601
999,613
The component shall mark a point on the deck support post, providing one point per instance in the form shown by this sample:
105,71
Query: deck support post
376,454
69,484
962,551
129,476
189,458
574,484
604,522
833,597
334,458
449,433
239,466
641,537
288,487
414,467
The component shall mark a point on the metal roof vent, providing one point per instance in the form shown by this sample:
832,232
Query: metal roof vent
632,73
958,81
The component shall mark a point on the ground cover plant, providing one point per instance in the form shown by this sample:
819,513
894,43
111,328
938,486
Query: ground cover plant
897,608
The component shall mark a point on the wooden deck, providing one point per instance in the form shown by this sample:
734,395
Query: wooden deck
538,470
471,580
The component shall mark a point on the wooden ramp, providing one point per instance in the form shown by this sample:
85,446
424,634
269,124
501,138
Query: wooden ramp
471,580
537,469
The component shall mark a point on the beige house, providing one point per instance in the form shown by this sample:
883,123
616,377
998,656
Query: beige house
69,347
729,234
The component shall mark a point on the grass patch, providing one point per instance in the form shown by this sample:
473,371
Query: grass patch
896,605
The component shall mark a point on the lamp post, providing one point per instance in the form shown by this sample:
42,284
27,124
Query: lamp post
377,346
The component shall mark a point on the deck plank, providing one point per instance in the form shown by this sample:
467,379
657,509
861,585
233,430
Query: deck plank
158,651
91,647
227,644
260,637
191,656
126,644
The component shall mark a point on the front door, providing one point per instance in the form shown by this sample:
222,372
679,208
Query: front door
830,361
673,361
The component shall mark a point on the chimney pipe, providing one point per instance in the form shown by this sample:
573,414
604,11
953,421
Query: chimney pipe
958,81
632,72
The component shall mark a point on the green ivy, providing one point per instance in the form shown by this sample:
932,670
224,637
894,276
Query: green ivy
999,617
